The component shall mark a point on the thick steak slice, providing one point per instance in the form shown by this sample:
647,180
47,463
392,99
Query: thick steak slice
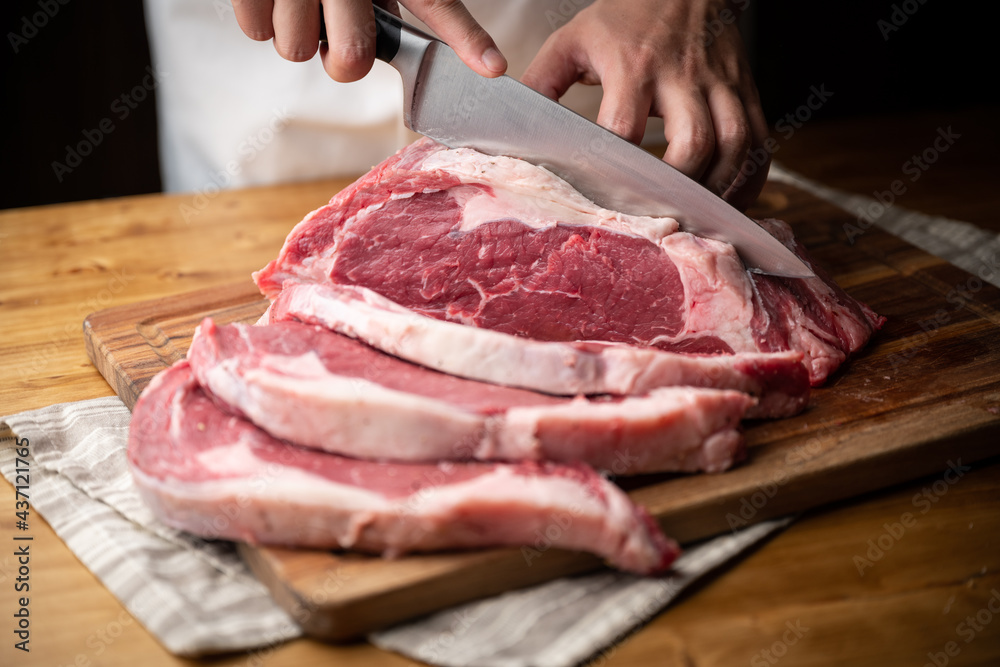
500,244
214,474
320,389
778,380
831,325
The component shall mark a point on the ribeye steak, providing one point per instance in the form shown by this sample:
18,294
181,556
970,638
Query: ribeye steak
498,243
320,389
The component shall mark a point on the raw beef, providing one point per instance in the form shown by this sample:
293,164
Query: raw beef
320,389
214,474
778,380
500,244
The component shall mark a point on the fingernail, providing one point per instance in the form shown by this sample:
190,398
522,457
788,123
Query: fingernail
494,61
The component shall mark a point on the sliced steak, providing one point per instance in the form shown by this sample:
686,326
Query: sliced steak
320,389
217,475
778,380
500,244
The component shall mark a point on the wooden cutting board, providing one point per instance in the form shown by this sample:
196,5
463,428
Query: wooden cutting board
924,396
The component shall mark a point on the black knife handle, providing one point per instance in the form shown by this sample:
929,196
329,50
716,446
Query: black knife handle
387,29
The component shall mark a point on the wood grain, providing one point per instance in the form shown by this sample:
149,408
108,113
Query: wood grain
877,423
131,344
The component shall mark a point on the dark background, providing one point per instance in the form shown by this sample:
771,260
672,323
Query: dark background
64,80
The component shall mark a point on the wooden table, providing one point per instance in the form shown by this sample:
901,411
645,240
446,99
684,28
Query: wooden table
799,599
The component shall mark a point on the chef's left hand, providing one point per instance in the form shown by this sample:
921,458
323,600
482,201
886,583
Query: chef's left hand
676,59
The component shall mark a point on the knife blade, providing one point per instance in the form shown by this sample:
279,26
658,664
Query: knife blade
447,101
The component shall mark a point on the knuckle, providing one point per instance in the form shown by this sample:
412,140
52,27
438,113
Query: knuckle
298,55
444,10
353,55
452,17
350,62
698,142
624,127
442,7
293,49
258,35
734,135
644,57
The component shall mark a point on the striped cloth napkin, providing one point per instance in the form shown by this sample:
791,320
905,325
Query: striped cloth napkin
965,245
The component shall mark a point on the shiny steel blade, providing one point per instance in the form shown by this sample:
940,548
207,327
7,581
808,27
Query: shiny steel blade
447,101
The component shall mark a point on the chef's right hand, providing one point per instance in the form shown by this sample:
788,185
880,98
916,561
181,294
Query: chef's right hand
657,58
350,29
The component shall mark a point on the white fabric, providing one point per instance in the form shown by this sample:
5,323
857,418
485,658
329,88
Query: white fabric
233,113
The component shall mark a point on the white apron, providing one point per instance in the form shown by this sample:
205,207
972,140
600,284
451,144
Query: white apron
233,113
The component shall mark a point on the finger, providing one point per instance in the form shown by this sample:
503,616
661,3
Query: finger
254,17
553,69
454,24
625,106
748,185
296,29
687,127
732,139
350,39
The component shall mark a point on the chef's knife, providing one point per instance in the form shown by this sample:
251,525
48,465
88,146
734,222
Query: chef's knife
447,101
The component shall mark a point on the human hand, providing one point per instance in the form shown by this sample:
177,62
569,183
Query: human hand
660,58
350,28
